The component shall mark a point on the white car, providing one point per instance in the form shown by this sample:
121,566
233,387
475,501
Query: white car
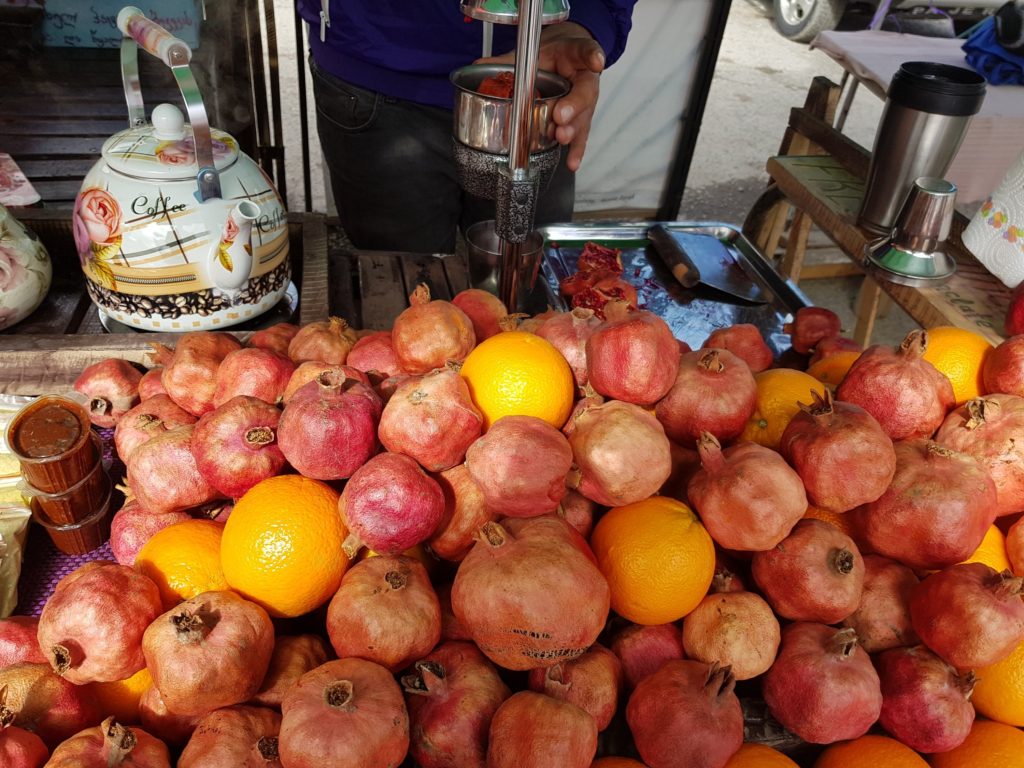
801,20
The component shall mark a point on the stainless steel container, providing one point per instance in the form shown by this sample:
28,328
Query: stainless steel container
507,11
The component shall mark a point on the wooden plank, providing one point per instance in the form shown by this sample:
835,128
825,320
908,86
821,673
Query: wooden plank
425,268
868,299
826,270
34,106
49,146
456,272
52,170
852,155
381,287
60,193
313,288
796,247
69,126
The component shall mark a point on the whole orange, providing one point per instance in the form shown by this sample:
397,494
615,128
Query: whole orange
184,560
779,394
869,752
960,355
282,545
999,692
657,557
840,520
617,762
120,698
831,370
992,552
988,745
759,756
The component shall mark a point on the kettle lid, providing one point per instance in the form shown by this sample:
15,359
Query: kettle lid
164,149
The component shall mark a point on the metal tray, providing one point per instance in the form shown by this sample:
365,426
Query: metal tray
692,314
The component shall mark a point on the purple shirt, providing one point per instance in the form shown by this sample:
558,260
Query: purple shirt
407,48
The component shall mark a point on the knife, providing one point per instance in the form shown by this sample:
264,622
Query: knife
674,257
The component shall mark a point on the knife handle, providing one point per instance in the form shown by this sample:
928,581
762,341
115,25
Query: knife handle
676,259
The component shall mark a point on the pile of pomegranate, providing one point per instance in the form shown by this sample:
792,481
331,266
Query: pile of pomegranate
496,646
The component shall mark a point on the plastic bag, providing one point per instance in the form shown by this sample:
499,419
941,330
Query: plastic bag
14,520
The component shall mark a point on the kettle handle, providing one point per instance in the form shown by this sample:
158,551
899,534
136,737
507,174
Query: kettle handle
138,31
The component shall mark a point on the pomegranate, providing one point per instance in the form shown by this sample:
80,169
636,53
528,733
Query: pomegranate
991,429
1014,548
733,628
190,374
164,474
430,333
485,311
18,641
276,338
822,686
1003,369
840,453
643,649
520,466
385,611
390,505
622,454
111,744
325,341
148,419
238,736
309,371
376,353
91,626
451,627
811,325
530,593
294,656
132,526
386,388
151,383
926,704
431,418
578,511
329,427
568,333
112,387
592,682
464,512
47,704
969,615
601,292
686,714
882,620
542,732
814,574
714,392
747,496
725,580
936,511
18,748
347,713
235,446
632,356
585,402
833,345
452,696
208,652
685,464
745,342
253,372
1014,321
167,726
903,391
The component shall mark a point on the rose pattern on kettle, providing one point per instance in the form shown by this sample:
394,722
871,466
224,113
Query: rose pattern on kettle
25,271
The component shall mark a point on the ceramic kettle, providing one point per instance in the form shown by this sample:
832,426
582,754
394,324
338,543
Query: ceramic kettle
25,270
177,229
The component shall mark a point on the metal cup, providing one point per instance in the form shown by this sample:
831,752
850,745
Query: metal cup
507,11
484,250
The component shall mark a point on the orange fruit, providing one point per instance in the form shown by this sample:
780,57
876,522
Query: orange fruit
960,355
779,394
617,762
999,692
988,745
184,560
657,557
831,370
759,756
840,520
869,752
121,697
282,545
515,373
992,552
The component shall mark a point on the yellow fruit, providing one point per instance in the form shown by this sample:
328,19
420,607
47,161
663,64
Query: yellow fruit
121,697
999,693
657,557
779,394
988,745
870,752
515,373
992,552
831,370
759,756
282,545
960,355
184,560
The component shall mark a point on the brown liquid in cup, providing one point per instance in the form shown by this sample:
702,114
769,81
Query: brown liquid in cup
49,431
52,438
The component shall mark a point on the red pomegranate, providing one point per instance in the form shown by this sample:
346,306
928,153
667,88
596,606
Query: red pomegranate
211,651
936,511
164,475
568,333
746,342
430,333
112,387
18,748
814,574
325,341
18,641
169,727
831,346
451,627
485,311
375,353
542,732
151,383
254,372
748,498
882,620
686,713
47,704
190,372
132,526
146,420
810,326
822,686
276,338
520,466
578,511
585,402
737,629
840,452
311,370
643,649
240,737
347,713
294,656
530,594
685,464
112,745
1003,369
1014,548
452,696
465,511
903,391
714,392
592,682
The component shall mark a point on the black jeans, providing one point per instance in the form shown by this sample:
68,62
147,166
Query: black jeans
393,175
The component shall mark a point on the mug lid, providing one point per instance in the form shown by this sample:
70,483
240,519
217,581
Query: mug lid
940,89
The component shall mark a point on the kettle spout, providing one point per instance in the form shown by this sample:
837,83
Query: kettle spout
230,261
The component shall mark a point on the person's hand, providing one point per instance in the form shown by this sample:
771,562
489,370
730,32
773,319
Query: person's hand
569,50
